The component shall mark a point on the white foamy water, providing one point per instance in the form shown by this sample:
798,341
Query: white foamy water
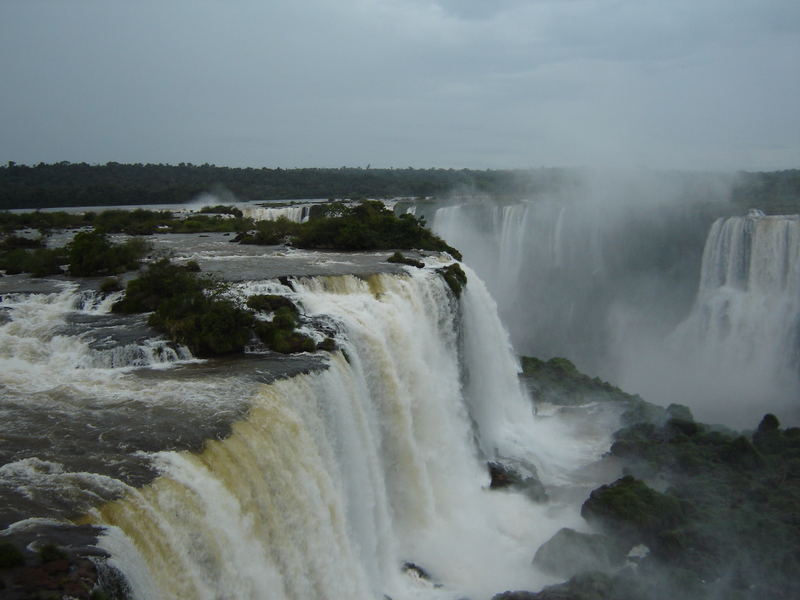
338,477
612,284
296,213
738,351
39,349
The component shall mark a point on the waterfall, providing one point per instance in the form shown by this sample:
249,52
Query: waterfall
657,298
296,213
744,329
544,261
339,476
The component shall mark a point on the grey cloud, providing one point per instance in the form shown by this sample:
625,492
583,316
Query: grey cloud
402,82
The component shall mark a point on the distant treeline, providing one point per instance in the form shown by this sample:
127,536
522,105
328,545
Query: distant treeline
114,184
776,193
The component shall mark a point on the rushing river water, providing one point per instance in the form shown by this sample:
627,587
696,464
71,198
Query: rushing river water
311,476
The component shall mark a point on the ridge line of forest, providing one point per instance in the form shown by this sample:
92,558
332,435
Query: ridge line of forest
114,184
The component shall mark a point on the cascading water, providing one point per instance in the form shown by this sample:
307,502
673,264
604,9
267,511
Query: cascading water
40,335
739,349
338,477
610,282
296,213
560,268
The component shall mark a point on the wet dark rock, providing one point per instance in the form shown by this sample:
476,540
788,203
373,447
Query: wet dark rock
586,586
413,569
518,595
399,257
410,567
570,552
517,476
58,561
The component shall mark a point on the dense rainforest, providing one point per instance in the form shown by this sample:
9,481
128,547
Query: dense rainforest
114,184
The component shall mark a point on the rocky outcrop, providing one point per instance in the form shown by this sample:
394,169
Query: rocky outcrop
53,562
570,552
517,476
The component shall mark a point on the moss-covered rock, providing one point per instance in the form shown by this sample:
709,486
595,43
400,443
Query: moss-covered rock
400,258
328,345
739,498
454,277
628,508
558,381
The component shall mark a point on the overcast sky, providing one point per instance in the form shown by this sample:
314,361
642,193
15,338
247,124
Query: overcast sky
688,84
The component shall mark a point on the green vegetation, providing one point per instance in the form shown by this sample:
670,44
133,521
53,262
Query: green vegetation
110,284
454,277
207,325
161,281
400,258
195,310
271,303
270,233
368,225
558,381
133,222
717,509
221,209
728,520
39,262
91,253
29,255
189,309
13,242
114,184
279,334
630,509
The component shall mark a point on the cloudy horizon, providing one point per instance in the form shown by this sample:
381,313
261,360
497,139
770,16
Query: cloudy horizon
396,83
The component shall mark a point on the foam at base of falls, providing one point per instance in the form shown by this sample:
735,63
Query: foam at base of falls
338,477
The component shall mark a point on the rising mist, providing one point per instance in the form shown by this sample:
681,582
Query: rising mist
605,269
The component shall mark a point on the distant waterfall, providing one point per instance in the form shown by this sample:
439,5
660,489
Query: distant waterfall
546,263
297,213
337,477
614,287
745,325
